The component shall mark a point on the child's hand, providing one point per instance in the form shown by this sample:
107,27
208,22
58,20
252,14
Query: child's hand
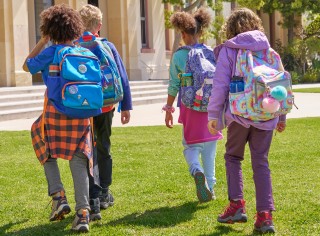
45,39
125,117
169,119
281,126
212,124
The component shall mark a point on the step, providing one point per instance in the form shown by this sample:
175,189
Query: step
149,100
41,88
20,113
27,102
22,90
11,105
28,113
21,97
148,87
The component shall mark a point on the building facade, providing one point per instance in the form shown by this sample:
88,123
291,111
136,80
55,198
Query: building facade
136,27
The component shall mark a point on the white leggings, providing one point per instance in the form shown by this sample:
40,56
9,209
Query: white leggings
208,155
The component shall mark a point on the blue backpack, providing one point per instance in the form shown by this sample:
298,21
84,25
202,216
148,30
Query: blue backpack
111,80
196,81
74,82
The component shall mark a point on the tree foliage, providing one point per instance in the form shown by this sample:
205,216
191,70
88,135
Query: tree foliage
191,6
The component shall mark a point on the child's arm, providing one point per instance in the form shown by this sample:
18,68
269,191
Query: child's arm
169,109
212,125
35,51
281,126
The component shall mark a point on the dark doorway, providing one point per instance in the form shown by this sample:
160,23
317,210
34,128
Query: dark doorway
94,2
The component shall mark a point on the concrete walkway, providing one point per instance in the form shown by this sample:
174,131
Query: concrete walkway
150,115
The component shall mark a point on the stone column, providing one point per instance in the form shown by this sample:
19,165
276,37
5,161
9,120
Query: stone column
20,42
122,30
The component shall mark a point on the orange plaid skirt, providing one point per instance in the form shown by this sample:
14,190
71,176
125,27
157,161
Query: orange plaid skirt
64,136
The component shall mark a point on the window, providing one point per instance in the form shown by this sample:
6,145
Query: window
143,20
94,2
39,6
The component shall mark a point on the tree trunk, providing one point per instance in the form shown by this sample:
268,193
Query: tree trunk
290,28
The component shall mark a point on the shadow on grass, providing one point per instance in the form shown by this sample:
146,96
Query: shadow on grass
226,230
222,230
161,217
51,228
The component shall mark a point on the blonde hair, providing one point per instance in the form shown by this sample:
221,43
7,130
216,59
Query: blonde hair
242,20
192,23
91,16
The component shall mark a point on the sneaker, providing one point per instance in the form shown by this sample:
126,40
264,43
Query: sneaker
264,223
60,206
106,199
234,212
81,221
95,209
213,194
203,192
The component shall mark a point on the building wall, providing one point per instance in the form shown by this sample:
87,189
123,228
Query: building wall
121,25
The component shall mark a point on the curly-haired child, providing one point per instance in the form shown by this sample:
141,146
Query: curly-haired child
244,30
196,139
64,137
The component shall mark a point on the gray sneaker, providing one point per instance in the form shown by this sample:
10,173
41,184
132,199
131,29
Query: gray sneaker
106,199
81,221
95,209
60,206
203,192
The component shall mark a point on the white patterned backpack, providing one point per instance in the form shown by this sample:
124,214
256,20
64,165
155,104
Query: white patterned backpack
267,89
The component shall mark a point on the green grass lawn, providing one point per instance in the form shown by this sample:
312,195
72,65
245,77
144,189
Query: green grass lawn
307,90
154,193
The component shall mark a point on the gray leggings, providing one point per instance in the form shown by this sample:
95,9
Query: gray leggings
78,166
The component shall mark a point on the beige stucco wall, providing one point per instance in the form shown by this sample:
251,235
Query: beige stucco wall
153,64
14,43
121,25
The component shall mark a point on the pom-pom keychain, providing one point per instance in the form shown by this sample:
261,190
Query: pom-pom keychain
271,105
279,93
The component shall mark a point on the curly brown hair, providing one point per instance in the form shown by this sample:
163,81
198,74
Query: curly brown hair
192,23
242,20
61,23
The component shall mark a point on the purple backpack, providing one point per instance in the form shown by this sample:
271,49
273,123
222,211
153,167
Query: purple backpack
196,81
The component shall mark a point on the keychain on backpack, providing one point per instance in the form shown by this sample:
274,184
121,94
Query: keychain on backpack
198,98
271,103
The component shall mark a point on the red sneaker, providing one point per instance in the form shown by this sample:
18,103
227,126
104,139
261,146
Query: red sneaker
264,223
234,212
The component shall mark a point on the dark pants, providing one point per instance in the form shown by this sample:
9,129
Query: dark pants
259,144
102,130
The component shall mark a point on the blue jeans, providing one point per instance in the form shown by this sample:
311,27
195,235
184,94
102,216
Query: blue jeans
208,155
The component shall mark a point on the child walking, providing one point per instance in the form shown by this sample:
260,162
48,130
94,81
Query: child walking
244,31
196,139
102,198
64,137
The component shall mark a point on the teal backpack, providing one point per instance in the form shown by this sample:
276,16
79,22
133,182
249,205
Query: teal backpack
111,80
74,82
